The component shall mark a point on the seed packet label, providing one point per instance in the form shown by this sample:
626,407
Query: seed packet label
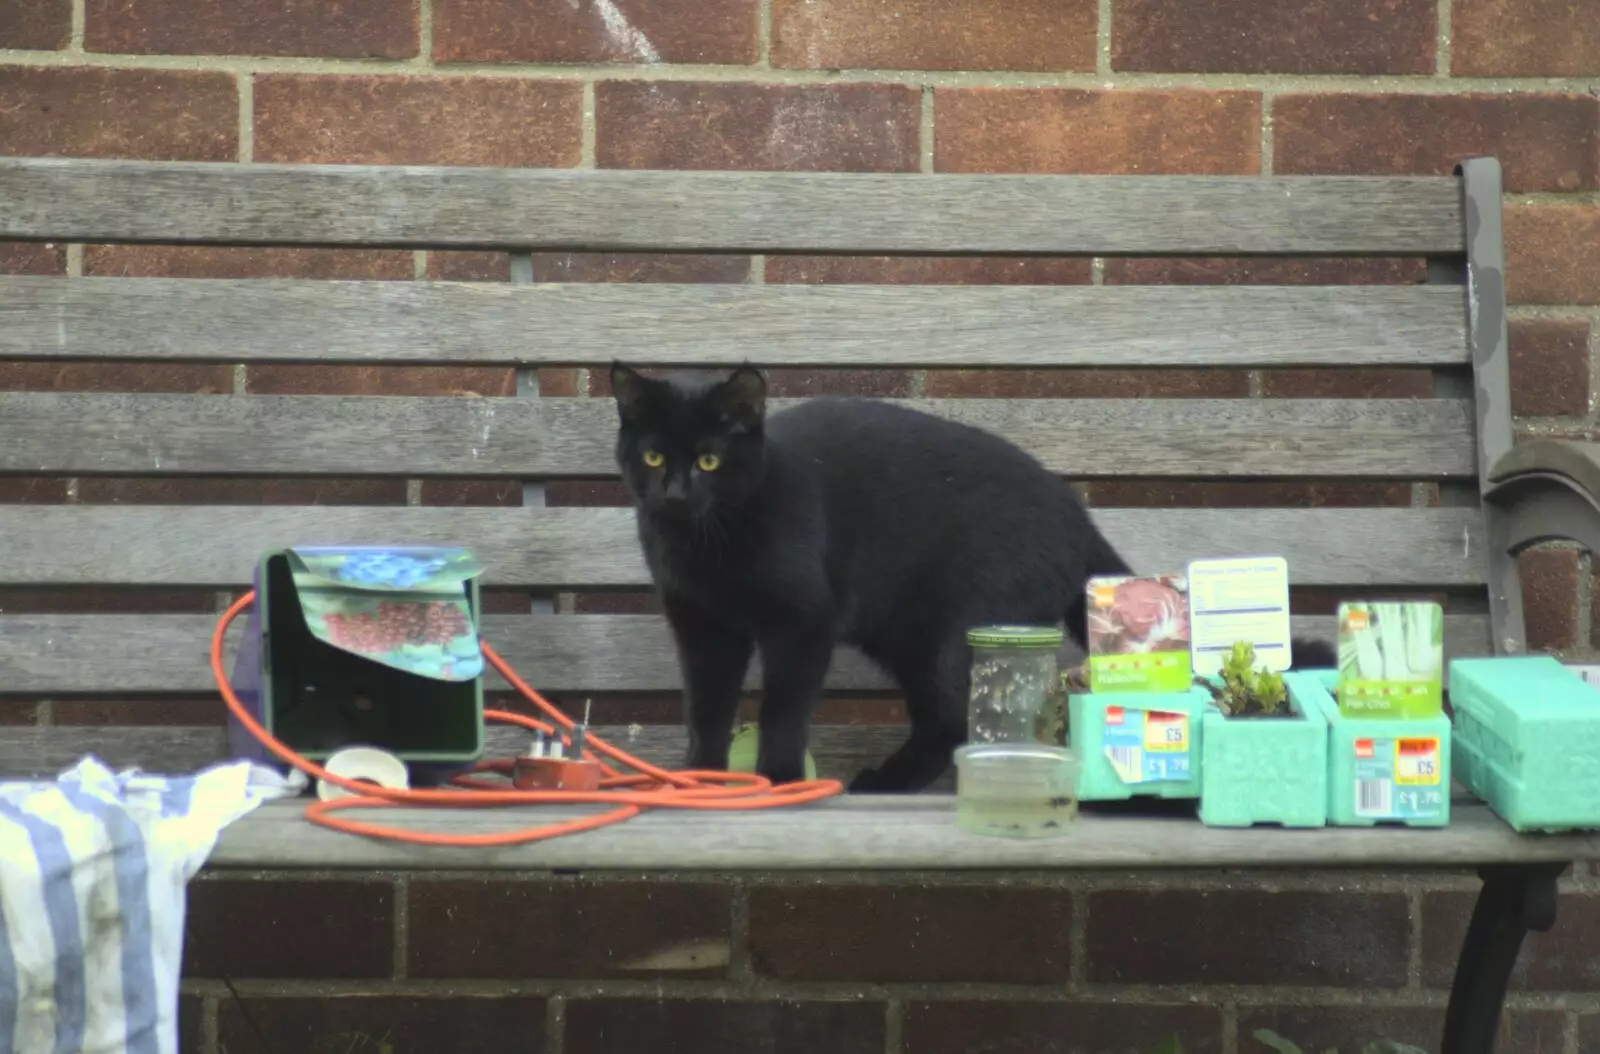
1391,659
1244,599
1398,779
1139,634
1147,746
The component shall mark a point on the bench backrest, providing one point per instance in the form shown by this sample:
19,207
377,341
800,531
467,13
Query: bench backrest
1421,532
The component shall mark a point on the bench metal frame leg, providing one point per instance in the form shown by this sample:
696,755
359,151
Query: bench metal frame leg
1515,899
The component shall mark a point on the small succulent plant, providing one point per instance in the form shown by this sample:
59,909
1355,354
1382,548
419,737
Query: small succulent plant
1247,691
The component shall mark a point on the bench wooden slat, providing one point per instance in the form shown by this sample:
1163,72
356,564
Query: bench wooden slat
97,434
585,547
44,655
709,325
493,208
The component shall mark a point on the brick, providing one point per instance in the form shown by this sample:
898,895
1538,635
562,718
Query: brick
1087,384
616,604
715,125
1273,36
32,490
698,31
1118,132
602,493
1246,270
489,929
1524,38
910,933
382,1024
1243,494
39,258
592,267
929,270
650,1026
106,601
115,377
18,714
1545,142
1238,936
786,382
1562,960
1058,1028
352,29
211,261
1550,597
318,928
154,115
497,492
417,120
1347,384
1037,35
162,713
206,490
1549,367
1352,1027
36,25
297,379
1552,254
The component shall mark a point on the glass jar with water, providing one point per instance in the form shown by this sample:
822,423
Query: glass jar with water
1014,676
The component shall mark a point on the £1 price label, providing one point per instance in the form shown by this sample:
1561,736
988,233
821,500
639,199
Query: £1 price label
1166,732
1416,762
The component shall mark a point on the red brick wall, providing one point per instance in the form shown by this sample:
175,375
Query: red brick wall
924,964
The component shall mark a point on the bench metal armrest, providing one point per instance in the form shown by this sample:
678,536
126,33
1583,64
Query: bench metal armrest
1547,490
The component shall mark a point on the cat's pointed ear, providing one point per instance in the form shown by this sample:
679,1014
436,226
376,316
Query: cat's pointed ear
630,388
742,398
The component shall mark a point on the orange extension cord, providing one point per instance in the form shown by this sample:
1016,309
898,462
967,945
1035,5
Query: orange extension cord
651,788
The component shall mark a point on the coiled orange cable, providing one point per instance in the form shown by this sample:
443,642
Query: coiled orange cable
627,795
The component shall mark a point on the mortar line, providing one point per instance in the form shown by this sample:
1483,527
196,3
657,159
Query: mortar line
1443,52
1569,1033
400,889
44,714
241,379
74,260
764,35
1230,1027
925,129
1319,83
555,1024
894,1026
739,964
1267,99
413,492
79,19
247,116
1414,940
210,1032
419,265
1097,271
1102,39
424,33
758,270
589,132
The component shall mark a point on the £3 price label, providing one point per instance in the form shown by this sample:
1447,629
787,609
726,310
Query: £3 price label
1166,732
1416,762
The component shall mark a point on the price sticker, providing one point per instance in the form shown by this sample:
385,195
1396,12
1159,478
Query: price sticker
1166,732
1416,762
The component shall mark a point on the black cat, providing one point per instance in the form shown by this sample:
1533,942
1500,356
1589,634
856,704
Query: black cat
840,520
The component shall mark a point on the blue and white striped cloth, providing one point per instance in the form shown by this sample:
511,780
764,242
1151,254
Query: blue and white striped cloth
93,872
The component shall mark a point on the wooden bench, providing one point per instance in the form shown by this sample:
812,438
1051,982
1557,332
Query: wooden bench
1459,441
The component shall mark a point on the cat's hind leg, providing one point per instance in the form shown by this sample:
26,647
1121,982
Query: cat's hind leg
935,686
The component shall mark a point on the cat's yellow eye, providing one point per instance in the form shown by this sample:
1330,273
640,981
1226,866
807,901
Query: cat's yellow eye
654,458
708,462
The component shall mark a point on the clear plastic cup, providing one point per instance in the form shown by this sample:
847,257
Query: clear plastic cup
1016,790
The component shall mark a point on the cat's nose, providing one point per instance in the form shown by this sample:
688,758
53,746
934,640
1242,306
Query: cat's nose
675,491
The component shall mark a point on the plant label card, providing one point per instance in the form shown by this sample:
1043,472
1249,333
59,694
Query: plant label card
1139,634
1239,599
1391,659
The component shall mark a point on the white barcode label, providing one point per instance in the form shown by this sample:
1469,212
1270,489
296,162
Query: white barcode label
1374,797
1129,763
